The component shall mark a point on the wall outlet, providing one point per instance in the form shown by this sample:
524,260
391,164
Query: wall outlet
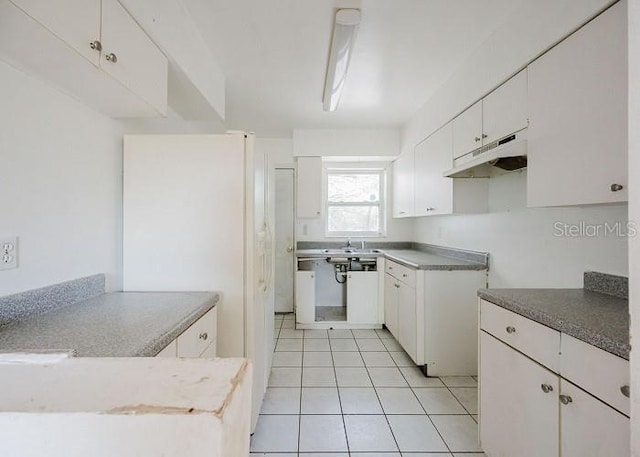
8,253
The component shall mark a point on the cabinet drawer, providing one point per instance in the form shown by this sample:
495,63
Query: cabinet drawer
195,340
598,372
401,273
535,340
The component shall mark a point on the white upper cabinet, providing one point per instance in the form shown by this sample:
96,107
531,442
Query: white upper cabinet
578,116
309,187
130,56
435,194
403,179
504,111
93,50
76,22
467,130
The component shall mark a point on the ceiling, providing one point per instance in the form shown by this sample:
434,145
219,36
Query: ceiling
274,55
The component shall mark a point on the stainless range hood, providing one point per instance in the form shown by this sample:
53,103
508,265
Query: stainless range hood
508,153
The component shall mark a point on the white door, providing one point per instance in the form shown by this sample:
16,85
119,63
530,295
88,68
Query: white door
391,304
284,229
518,411
362,297
590,428
305,297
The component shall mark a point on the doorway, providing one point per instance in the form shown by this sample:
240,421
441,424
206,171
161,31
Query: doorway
284,239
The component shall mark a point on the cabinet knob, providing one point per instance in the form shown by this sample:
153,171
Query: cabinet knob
96,45
565,399
402,212
484,135
511,329
430,209
203,336
546,388
111,57
311,276
616,187
318,213
625,391
477,139
404,275
397,286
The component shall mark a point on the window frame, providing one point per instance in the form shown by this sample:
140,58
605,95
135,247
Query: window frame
382,204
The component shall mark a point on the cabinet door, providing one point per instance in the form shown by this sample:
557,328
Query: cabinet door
467,130
590,428
578,116
195,340
139,64
309,187
407,320
504,110
362,297
305,297
516,417
391,304
76,22
434,192
403,179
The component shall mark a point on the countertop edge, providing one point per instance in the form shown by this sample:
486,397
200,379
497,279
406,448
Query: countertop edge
437,267
157,345
598,340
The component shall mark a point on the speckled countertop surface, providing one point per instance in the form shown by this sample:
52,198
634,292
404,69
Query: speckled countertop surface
595,318
413,258
119,324
427,261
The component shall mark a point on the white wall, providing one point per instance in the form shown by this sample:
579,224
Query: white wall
281,153
634,215
347,142
60,190
524,246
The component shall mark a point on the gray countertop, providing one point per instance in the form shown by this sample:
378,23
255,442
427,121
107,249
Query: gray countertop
595,318
427,261
120,324
413,258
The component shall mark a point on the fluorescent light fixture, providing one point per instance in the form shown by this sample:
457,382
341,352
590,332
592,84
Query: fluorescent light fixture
344,36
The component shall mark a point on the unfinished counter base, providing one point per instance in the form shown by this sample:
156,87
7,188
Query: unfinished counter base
139,407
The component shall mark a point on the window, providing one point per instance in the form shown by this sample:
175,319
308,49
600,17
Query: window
355,202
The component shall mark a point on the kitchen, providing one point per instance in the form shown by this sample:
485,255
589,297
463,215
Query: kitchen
64,198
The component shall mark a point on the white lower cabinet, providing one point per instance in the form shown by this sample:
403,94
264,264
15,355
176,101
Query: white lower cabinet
589,427
305,297
362,297
433,316
529,409
199,340
391,304
517,417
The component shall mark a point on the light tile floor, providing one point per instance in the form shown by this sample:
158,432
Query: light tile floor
341,393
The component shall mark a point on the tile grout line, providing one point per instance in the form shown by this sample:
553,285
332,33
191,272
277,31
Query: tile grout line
335,374
384,413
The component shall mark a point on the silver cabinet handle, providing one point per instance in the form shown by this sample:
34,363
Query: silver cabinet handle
484,135
565,399
311,276
397,286
616,187
96,45
430,209
203,336
511,329
477,139
626,391
404,275
111,57
546,388
289,249
402,212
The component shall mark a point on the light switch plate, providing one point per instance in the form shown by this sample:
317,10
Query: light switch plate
8,253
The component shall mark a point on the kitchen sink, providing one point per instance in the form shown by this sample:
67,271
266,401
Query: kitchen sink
343,251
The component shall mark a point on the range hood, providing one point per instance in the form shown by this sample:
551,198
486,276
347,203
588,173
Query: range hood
508,153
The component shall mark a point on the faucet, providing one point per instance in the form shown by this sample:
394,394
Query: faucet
348,245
